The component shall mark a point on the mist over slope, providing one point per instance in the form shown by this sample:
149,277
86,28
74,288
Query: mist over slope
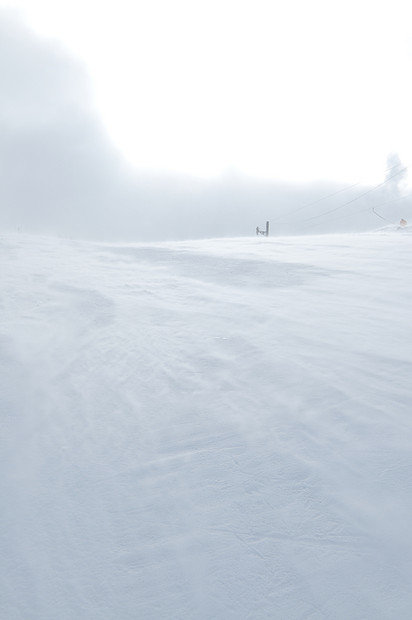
60,173
206,429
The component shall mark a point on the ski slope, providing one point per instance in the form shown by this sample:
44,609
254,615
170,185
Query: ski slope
216,429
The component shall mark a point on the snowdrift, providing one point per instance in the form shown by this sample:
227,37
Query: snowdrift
210,429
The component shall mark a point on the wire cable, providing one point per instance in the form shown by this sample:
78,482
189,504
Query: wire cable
344,189
345,204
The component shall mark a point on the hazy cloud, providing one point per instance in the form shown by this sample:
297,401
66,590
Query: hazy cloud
60,173
396,175
57,168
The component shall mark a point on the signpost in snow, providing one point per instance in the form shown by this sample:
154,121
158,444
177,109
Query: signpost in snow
263,232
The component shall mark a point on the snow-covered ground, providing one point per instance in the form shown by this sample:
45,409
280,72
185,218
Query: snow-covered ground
215,429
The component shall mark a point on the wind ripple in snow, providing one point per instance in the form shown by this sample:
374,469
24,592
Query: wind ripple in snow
206,430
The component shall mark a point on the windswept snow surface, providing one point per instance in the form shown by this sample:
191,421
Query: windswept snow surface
206,430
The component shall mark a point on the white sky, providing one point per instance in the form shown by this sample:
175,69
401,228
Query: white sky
291,90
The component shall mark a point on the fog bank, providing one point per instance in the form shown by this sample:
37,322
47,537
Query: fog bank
60,173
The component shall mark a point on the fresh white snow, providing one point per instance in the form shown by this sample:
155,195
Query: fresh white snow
216,429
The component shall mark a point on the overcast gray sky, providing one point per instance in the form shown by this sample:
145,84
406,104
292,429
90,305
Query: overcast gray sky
63,170
289,91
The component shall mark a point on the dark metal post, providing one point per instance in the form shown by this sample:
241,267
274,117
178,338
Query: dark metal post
265,233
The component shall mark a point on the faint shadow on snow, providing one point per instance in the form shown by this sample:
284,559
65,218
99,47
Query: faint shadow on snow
221,270
89,304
